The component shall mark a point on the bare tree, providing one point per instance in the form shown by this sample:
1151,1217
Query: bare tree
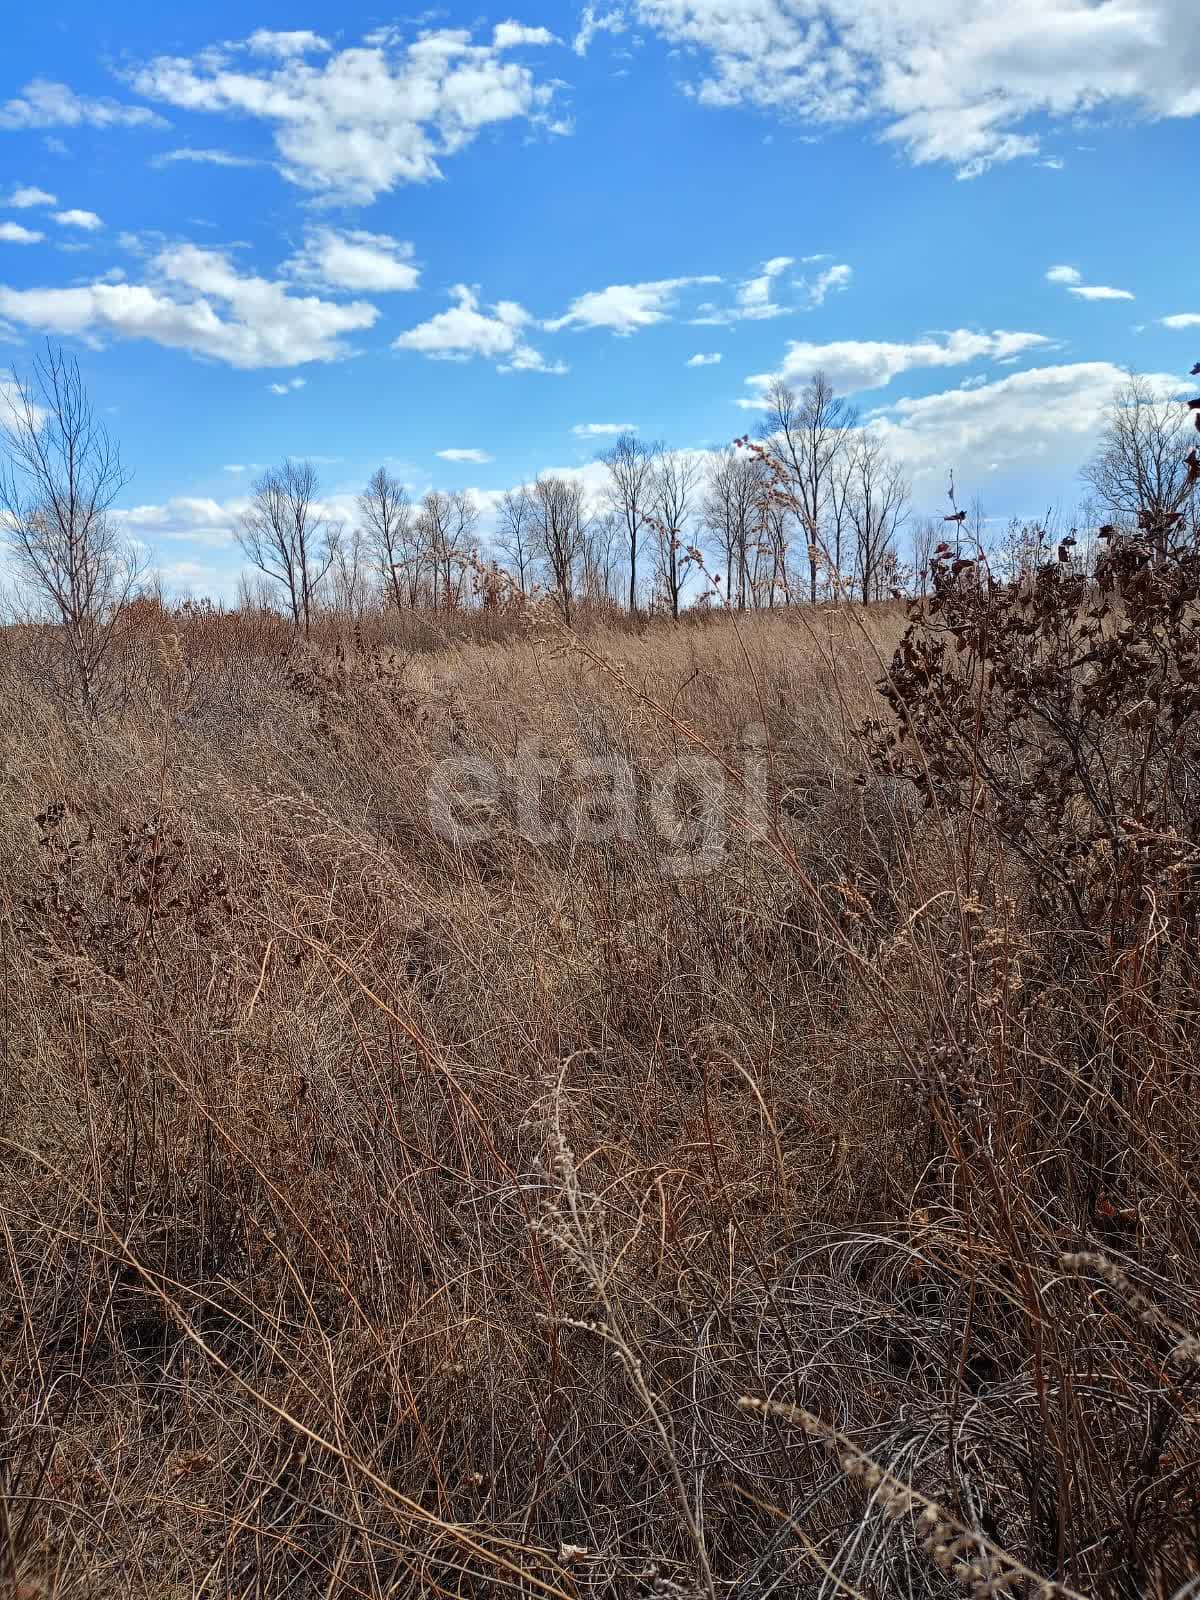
805,434
630,466
285,535
733,515
514,535
558,529
387,518
351,572
1140,469
57,488
877,501
926,536
600,567
446,526
675,481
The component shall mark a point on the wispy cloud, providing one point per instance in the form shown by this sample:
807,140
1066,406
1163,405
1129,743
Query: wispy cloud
593,21
479,458
210,158
1071,279
43,103
624,308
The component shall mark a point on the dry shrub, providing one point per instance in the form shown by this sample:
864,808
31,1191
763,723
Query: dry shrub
387,1214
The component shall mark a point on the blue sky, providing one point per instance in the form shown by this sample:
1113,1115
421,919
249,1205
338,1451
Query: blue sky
331,232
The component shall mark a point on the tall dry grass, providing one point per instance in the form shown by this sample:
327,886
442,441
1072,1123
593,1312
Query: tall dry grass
384,1215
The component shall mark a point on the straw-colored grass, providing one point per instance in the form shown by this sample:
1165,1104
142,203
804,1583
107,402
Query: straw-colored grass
385,1214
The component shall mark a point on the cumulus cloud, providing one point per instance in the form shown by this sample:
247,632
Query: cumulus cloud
194,299
479,457
358,121
87,220
1182,319
511,35
466,331
960,81
1044,417
14,233
288,386
1066,275
207,525
602,430
853,364
27,195
44,104
355,260
700,359
623,308
193,519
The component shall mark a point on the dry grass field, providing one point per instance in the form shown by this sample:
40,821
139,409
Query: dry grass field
405,1186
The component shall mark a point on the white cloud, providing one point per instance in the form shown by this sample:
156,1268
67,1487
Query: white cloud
592,22
833,280
948,80
625,307
366,118
236,468
1182,319
21,199
464,331
1045,418
701,360
1072,280
191,519
1094,291
355,260
288,386
510,35
87,220
754,296
852,364
211,158
602,430
300,42
43,104
14,233
479,457
196,300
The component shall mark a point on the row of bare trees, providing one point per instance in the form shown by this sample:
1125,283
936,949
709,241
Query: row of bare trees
815,508
413,555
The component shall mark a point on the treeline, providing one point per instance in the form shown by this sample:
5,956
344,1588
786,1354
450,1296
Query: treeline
812,509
